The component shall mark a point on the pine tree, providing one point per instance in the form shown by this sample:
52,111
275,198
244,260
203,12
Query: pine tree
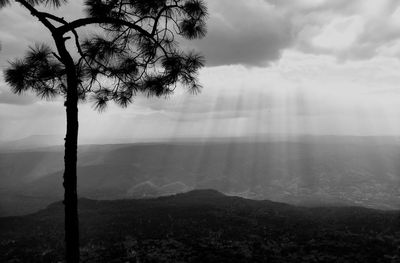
134,50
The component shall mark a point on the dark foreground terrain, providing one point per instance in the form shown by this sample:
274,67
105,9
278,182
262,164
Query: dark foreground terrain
205,226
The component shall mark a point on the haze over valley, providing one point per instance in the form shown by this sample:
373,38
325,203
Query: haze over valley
306,170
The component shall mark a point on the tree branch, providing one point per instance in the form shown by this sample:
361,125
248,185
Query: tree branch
38,14
157,18
100,20
60,20
107,20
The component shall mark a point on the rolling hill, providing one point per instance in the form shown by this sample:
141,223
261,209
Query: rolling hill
311,171
205,226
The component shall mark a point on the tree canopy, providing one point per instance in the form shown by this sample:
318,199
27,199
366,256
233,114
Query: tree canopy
135,50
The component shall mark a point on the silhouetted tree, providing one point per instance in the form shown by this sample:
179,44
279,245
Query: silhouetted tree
133,50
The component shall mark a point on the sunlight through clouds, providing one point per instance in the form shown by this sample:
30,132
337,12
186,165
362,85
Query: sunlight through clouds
272,126
329,68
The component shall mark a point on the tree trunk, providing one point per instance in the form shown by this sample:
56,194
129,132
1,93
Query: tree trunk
70,173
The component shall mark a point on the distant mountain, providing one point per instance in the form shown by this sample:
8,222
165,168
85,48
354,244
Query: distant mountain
32,142
312,171
205,226
149,189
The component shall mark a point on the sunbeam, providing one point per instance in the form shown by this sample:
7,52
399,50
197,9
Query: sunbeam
199,131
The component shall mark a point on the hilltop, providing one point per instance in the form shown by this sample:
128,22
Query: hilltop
205,226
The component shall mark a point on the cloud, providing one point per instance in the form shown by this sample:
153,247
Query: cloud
340,33
359,29
245,33
304,89
23,30
250,32
256,32
207,102
7,97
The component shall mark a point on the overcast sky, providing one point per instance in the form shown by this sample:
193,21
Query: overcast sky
273,67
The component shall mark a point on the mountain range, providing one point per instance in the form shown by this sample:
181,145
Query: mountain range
312,171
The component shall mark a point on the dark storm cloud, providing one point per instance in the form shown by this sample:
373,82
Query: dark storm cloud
255,32
250,32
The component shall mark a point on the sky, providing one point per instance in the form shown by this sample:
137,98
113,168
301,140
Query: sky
288,67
